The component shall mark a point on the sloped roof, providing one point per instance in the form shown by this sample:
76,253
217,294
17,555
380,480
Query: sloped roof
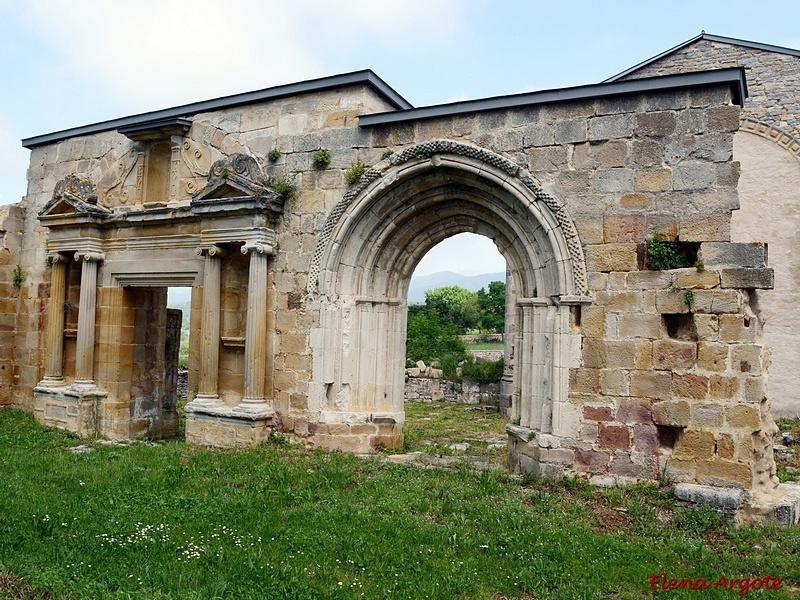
732,77
710,38
365,77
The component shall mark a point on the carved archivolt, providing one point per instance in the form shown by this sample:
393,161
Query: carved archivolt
427,150
772,133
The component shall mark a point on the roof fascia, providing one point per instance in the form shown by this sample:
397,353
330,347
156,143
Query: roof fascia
710,38
364,77
733,77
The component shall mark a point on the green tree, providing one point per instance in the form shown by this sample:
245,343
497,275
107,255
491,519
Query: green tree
428,340
492,305
454,305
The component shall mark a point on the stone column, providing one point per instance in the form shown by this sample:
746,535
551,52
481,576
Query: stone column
208,388
53,372
84,356
255,345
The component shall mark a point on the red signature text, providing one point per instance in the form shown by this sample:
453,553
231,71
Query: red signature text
742,585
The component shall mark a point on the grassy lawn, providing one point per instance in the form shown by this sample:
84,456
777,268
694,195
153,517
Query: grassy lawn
486,346
167,520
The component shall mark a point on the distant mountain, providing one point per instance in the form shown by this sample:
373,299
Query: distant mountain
419,284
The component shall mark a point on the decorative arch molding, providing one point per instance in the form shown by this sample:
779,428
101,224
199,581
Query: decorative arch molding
368,249
383,175
774,134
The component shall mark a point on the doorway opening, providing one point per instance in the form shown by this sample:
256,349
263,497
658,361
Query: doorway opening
179,310
457,350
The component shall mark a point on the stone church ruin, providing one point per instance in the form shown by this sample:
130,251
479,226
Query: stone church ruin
299,273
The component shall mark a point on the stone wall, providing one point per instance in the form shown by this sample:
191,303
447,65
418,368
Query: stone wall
616,374
771,77
11,225
437,389
769,153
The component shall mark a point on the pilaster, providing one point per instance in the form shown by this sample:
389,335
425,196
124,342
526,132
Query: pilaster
54,375
84,358
255,349
208,388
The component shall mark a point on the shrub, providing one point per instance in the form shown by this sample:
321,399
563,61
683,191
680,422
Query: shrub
482,372
428,340
273,154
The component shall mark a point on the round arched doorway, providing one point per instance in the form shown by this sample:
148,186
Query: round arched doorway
363,262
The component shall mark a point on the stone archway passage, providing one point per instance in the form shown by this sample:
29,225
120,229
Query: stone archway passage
367,252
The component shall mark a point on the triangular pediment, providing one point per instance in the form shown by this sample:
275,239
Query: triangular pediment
74,195
238,179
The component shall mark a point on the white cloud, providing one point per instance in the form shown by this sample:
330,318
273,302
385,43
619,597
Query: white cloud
155,53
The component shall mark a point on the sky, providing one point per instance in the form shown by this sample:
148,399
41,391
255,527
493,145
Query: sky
71,63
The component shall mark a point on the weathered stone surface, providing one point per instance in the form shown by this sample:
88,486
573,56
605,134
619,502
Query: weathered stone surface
692,278
650,384
724,501
671,413
674,354
717,301
611,257
712,356
744,417
687,385
735,255
695,444
635,411
762,279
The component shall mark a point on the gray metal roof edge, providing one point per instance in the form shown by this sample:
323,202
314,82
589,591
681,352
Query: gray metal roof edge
365,76
733,76
712,38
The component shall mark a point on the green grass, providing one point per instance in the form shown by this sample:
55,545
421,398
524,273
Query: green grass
432,427
498,346
171,521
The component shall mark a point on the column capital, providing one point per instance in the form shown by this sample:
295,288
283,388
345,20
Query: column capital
56,257
88,256
211,250
256,248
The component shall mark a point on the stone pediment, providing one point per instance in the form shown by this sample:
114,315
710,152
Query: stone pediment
74,195
237,179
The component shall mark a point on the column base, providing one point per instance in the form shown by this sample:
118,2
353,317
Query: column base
51,383
256,408
223,427
206,401
69,408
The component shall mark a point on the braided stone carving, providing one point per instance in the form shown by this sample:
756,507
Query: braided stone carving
424,151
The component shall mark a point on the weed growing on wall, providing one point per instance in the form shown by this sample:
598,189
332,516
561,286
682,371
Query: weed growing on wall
283,186
663,255
356,170
322,158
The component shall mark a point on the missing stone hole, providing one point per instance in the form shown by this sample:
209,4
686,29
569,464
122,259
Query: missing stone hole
680,326
667,436
747,321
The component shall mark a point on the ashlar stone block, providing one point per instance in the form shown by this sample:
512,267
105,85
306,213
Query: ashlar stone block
672,413
733,254
744,278
611,257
